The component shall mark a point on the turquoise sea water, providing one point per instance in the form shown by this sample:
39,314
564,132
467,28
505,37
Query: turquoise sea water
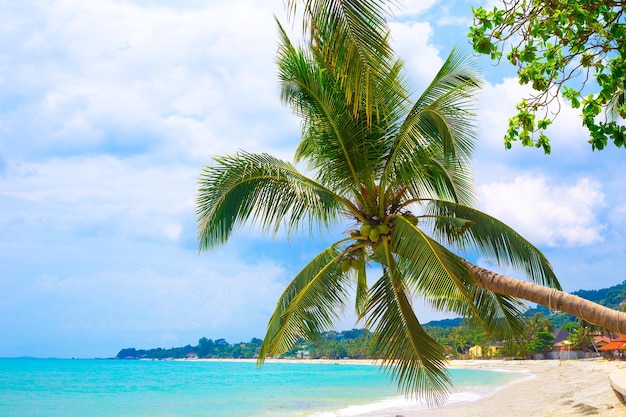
109,388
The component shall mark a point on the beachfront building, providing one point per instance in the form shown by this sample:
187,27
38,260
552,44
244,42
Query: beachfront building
484,352
614,349
600,341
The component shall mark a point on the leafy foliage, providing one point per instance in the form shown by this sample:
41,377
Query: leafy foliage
558,47
355,30
541,343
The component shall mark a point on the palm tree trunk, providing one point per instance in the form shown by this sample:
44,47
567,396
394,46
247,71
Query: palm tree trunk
554,299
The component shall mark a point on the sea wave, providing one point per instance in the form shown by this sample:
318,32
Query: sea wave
397,406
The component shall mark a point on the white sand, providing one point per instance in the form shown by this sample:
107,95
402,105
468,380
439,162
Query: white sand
558,388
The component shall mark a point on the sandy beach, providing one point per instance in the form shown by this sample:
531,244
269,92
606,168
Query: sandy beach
556,389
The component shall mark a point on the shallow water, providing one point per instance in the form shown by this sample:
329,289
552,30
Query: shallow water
110,388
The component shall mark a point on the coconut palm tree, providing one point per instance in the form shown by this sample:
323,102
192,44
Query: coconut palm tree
395,173
361,56
359,40
400,179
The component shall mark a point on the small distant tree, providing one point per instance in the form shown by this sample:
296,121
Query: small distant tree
581,336
542,343
206,347
222,348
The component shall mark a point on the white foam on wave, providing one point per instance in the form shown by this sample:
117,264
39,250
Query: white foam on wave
391,407
397,405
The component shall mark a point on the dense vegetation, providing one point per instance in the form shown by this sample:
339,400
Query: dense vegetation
206,348
357,344
456,335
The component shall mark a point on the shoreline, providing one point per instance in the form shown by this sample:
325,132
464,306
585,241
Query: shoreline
553,388
546,388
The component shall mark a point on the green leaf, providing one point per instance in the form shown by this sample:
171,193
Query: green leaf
308,305
496,241
412,357
260,189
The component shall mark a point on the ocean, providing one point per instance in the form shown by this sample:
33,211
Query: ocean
120,388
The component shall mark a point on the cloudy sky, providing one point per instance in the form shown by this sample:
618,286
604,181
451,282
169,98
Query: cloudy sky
109,109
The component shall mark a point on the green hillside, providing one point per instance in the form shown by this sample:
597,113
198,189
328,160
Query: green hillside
613,297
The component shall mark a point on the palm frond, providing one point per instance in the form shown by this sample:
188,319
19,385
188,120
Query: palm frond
408,353
334,143
357,52
261,189
501,315
445,110
426,175
434,143
443,279
309,305
431,270
494,239
362,293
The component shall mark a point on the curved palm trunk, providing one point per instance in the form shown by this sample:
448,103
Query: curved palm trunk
591,312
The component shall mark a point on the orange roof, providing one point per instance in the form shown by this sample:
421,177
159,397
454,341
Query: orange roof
614,345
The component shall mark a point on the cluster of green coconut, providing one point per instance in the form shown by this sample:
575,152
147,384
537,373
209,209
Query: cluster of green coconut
355,263
369,232
373,233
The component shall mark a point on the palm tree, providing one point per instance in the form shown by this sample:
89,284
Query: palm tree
359,52
401,179
361,57
395,171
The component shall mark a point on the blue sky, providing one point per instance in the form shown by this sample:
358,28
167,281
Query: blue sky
110,109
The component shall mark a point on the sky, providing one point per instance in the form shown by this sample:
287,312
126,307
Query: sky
110,109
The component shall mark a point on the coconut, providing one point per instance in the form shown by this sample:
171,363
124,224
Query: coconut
374,235
357,264
346,265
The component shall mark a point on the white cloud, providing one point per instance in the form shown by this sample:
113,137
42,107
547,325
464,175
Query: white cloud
546,213
128,197
412,44
415,7
100,76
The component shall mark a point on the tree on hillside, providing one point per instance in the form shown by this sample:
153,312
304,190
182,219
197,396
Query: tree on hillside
397,172
559,47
